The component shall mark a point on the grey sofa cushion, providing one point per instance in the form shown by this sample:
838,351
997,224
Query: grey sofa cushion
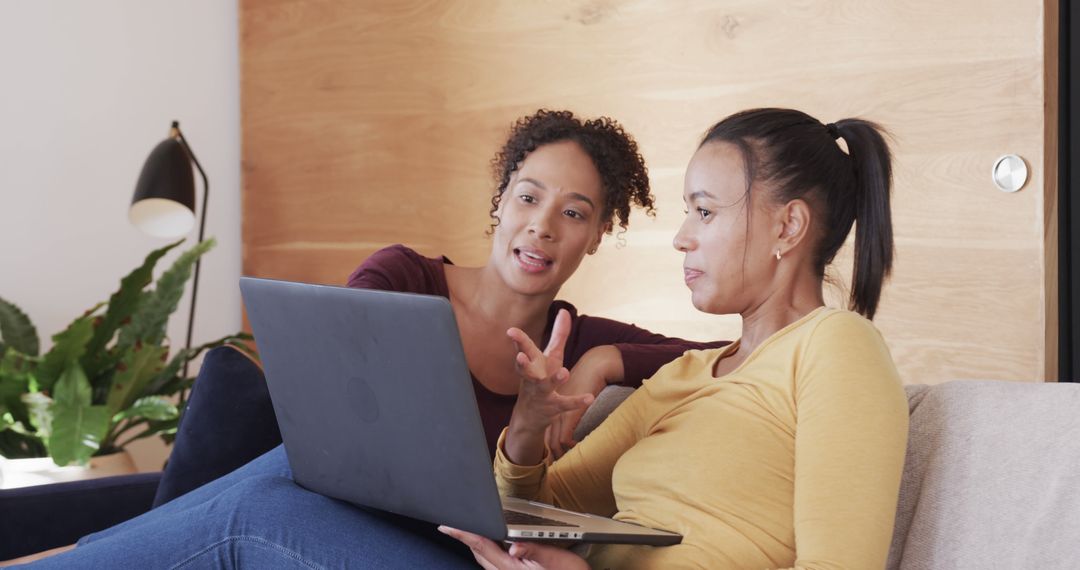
606,401
991,479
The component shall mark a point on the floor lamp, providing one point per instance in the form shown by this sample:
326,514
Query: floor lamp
164,201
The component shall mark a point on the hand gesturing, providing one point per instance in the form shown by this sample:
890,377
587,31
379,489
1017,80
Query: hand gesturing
541,374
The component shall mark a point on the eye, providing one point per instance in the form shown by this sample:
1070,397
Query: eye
574,214
527,198
704,213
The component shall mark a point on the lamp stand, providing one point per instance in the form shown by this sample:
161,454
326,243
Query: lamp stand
202,228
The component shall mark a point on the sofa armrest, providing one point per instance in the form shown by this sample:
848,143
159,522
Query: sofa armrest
41,517
606,401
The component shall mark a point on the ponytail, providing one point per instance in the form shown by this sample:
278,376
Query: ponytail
800,158
872,164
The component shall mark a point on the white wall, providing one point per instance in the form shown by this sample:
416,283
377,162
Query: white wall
86,91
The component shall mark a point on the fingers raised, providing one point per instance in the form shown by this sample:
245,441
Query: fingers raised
524,343
559,332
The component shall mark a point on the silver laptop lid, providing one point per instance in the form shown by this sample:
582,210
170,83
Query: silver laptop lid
375,401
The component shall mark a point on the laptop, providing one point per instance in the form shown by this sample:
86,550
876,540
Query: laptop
376,407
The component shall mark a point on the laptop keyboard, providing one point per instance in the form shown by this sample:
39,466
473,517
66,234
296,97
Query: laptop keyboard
516,517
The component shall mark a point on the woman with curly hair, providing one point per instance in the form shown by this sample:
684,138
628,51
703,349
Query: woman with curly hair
562,183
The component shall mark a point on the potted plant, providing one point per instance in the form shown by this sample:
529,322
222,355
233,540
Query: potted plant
108,379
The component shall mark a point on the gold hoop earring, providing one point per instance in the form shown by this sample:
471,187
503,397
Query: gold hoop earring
778,255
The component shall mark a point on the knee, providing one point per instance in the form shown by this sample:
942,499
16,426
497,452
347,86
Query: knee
267,486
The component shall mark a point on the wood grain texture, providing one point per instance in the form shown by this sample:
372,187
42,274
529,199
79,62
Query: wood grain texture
366,124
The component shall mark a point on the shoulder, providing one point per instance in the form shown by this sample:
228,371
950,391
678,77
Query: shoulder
558,305
837,329
399,268
396,254
846,351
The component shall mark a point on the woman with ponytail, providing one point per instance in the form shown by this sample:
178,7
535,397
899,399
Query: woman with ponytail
784,449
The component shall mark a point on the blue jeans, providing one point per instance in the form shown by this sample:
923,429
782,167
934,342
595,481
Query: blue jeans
258,517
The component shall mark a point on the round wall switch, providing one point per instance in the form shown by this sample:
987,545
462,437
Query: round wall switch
1010,173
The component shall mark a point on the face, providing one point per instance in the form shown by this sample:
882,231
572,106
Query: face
727,262
550,216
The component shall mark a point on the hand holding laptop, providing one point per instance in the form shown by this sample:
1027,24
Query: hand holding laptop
538,403
520,556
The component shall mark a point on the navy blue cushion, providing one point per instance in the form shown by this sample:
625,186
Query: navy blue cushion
41,517
229,421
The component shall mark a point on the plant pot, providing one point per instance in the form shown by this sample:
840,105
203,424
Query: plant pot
41,470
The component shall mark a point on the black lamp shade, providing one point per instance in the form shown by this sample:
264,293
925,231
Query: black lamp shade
164,201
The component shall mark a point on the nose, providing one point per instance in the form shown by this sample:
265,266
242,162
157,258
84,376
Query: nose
541,224
683,241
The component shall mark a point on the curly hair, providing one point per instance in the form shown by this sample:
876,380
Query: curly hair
623,173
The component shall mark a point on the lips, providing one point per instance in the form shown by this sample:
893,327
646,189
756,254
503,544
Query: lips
689,275
532,260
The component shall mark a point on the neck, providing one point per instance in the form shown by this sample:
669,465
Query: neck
792,298
485,298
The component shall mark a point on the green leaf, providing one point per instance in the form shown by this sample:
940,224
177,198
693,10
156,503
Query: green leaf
72,388
122,304
17,331
14,383
41,414
166,382
151,407
77,427
165,428
148,322
139,365
68,347
77,432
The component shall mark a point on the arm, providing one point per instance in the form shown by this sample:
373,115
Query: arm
581,479
850,442
521,456
641,352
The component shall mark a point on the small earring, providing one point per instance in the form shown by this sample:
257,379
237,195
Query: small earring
778,255
592,251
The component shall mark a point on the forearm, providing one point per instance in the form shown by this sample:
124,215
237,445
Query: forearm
604,362
524,445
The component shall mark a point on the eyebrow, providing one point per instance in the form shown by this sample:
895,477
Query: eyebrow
700,194
574,195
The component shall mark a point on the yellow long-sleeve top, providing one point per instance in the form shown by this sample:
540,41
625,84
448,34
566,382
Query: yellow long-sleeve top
791,460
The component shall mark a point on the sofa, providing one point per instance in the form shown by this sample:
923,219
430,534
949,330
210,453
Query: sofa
991,478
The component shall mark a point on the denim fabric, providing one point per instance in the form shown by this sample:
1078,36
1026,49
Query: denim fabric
258,517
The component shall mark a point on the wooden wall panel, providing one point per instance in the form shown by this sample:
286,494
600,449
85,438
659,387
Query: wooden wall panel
370,123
